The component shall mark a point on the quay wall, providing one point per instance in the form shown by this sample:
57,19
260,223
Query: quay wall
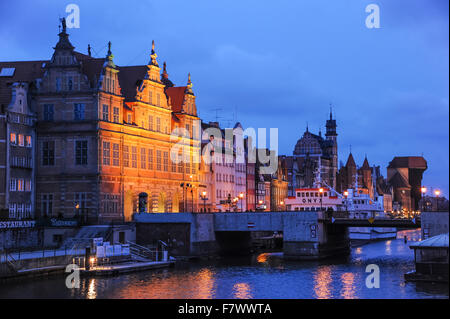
20,238
434,223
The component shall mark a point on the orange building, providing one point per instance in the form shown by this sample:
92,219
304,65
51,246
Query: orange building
104,138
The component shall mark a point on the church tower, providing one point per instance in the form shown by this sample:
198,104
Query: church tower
331,135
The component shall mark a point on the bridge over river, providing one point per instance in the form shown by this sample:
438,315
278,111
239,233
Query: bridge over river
306,235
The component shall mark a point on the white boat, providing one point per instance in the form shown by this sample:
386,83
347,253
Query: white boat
360,205
356,201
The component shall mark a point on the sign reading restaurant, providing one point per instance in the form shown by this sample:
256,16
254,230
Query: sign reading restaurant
17,224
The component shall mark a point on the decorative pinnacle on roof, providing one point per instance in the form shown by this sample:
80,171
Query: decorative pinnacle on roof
153,55
64,43
110,56
89,49
165,76
64,26
189,85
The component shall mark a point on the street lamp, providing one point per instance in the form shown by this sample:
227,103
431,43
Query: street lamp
281,205
437,192
423,190
346,201
204,200
241,197
321,196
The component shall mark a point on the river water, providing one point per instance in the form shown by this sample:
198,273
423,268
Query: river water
264,275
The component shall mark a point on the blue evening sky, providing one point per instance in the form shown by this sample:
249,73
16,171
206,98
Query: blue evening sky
279,64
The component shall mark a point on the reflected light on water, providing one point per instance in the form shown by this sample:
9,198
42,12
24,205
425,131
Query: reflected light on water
388,247
348,285
262,258
242,291
91,293
322,282
206,284
199,285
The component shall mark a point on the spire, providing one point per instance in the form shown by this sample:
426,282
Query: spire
350,161
189,85
307,127
110,56
153,55
89,49
165,76
331,126
366,165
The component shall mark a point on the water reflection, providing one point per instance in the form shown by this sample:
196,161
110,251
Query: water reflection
261,276
388,248
348,285
322,282
242,291
91,294
198,285
262,258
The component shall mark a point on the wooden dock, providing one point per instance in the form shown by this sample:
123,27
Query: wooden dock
122,268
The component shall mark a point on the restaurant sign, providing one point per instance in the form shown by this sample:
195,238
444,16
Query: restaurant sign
17,224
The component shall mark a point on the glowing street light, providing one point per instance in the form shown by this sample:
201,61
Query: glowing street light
321,195
423,190
437,192
204,200
346,202
241,197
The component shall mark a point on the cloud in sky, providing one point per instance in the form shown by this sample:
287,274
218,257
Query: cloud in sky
279,65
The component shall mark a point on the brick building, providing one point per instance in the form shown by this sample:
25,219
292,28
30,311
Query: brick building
405,176
104,136
17,139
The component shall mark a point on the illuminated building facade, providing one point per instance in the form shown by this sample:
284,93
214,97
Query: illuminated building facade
104,138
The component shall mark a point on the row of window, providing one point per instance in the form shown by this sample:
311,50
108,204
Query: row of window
111,157
311,194
19,185
78,112
21,119
20,140
21,161
19,210
225,178
106,116
80,203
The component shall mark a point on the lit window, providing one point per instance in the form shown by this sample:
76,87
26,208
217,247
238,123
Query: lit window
105,112
134,156
126,156
28,141
21,140
106,153
12,138
116,159
143,159
116,115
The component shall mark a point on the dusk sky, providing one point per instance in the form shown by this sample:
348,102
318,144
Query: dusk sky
278,64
